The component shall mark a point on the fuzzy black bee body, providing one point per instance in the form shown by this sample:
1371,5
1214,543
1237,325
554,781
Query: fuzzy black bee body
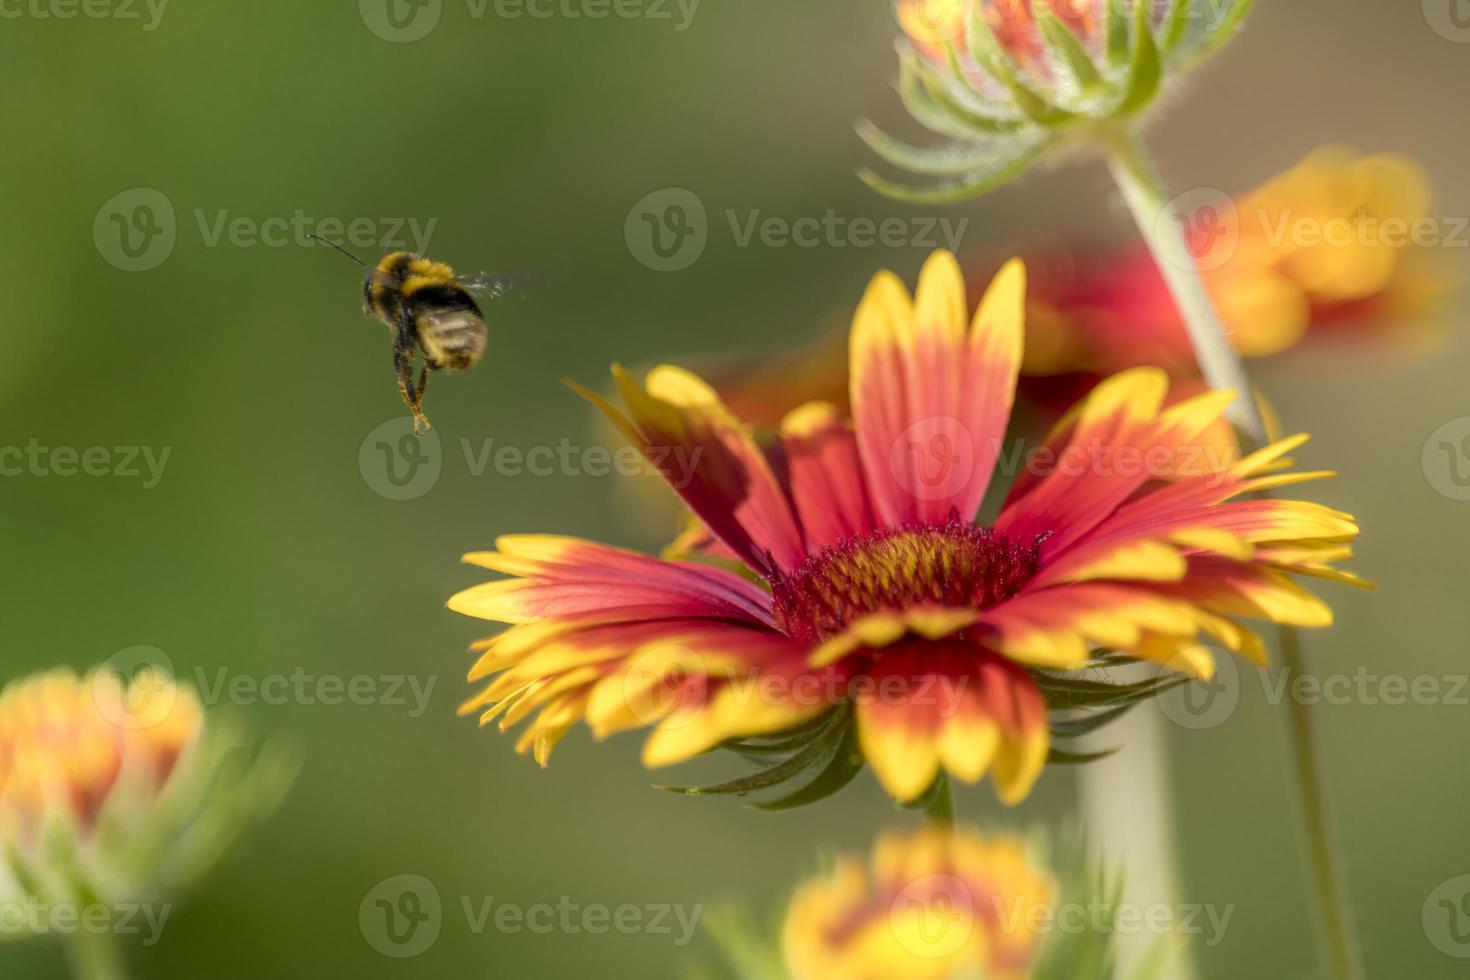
425,297
429,309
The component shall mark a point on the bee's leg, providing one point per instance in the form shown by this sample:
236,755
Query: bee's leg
413,395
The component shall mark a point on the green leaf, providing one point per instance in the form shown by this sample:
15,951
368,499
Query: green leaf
953,160
925,110
1145,72
1181,12
1061,757
984,103
942,92
1115,31
1079,692
961,188
1065,48
815,754
989,55
1223,31
1087,724
845,764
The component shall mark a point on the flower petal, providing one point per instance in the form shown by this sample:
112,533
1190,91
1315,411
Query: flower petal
711,461
825,476
953,706
574,579
931,400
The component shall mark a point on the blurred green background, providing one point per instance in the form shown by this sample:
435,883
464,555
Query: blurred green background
267,546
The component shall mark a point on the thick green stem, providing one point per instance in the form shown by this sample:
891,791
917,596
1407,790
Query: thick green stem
1162,227
939,803
94,956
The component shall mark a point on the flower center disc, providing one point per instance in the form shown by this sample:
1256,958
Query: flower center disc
957,565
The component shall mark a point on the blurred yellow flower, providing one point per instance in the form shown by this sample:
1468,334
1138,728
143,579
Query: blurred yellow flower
941,904
70,747
114,793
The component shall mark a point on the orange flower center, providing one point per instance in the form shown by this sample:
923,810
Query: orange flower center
958,565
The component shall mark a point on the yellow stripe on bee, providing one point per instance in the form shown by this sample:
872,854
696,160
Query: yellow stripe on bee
417,282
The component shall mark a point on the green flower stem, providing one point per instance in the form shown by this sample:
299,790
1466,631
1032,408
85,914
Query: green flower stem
1339,939
1160,223
939,803
95,956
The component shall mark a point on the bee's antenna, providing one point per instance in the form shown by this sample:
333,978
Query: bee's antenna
332,244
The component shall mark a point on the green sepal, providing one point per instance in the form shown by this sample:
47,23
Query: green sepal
953,160
1115,31
841,769
1065,48
941,91
989,55
951,191
816,753
1061,757
1145,71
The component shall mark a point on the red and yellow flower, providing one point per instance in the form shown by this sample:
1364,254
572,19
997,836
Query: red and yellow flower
937,905
865,583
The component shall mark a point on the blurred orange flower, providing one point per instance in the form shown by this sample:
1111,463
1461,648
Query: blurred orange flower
66,743
1336,240
937,905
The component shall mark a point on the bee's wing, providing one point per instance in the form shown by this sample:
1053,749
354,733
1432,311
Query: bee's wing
494,286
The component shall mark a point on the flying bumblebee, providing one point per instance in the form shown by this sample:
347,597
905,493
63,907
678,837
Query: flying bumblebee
425,307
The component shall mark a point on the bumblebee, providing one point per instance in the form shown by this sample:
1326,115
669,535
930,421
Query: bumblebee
427,308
